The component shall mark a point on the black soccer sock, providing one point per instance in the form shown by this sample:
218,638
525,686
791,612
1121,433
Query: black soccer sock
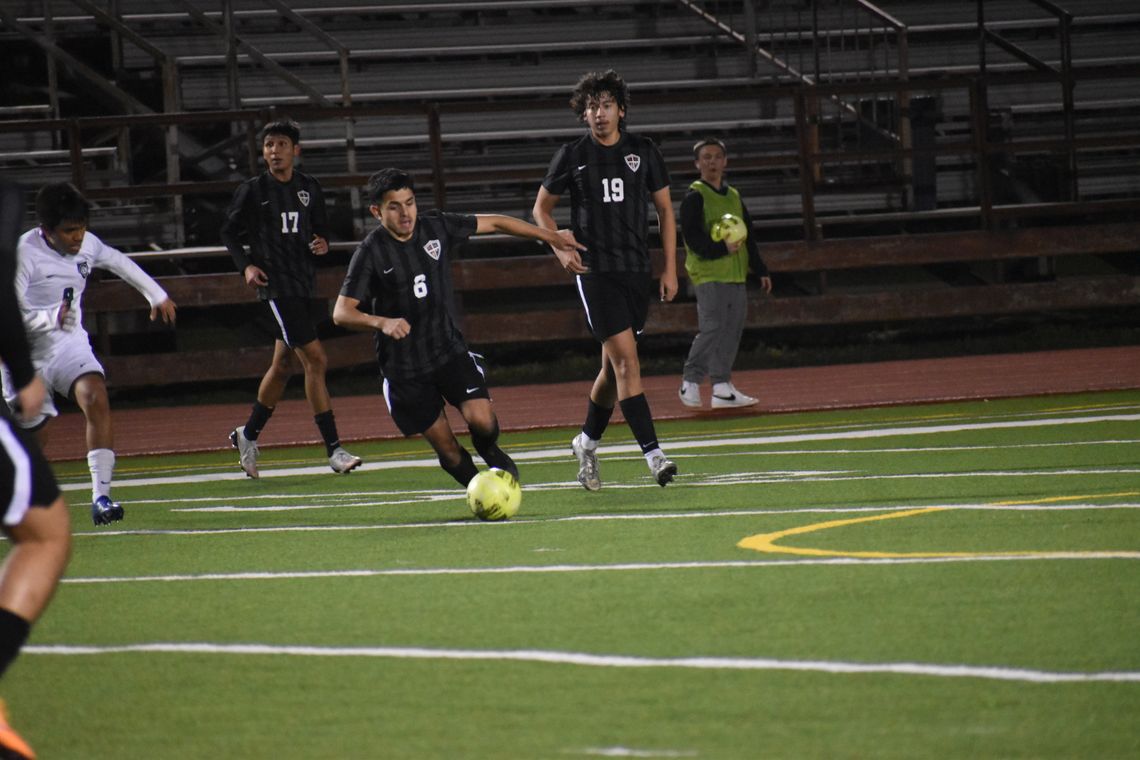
326,423
463,470
487,446
258,416
637,414
597,419
13,633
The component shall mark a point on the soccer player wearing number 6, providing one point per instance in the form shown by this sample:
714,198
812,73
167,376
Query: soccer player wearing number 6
53,263
612,177
399,286
282,214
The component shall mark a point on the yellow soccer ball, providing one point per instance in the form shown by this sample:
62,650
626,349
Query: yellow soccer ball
494,494
730,228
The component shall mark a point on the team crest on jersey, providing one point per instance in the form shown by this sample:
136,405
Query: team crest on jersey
84,269
303,196
433,248
633,161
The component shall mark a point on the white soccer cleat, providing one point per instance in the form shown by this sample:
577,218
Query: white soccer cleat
247,451
341,461
725,396
663,470
690,395
587,464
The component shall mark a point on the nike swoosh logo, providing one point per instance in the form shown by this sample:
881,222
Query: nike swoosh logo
265,203
583,166
472,390
389,271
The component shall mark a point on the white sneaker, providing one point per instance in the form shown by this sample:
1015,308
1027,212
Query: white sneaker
690,395
725,395
587,465
663,470
341,461
247,451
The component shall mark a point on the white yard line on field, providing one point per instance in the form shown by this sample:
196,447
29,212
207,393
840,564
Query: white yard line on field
625,567
692,515
582,659
632,448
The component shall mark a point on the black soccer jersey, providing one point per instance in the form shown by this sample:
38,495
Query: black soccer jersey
611,190
279,220
412,279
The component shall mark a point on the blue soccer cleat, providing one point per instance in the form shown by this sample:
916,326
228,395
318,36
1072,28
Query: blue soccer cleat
104,511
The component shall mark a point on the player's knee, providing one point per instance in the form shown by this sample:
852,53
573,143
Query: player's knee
450,459
313,359
626,367
281,365
92,398
483,437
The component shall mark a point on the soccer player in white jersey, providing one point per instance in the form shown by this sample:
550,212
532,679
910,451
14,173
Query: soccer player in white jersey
53,263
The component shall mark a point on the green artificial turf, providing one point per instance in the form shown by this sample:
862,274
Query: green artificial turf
385,622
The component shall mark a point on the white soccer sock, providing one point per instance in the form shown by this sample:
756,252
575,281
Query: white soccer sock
586,442
101,462
654,453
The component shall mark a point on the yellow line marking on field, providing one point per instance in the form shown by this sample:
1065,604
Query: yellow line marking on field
766,542
1055,499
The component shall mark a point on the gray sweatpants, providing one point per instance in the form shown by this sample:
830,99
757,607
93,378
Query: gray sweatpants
721,310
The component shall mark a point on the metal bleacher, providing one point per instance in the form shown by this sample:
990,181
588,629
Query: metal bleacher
524,55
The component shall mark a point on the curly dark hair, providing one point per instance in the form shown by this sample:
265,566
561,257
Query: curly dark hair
593,84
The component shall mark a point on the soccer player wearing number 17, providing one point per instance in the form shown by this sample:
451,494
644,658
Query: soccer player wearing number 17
398,286
612,177
282,213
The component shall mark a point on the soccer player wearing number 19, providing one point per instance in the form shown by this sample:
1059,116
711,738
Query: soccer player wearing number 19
612,177
399,286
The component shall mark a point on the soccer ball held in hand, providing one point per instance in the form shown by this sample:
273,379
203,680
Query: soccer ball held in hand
729,228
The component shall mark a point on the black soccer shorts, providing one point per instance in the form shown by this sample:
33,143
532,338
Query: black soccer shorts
615,301
26,479
415,403
295,320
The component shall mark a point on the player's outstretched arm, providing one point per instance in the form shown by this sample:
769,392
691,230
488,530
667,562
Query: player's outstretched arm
557,239
562,241
347,313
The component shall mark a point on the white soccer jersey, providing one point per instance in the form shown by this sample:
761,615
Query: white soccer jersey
42,275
